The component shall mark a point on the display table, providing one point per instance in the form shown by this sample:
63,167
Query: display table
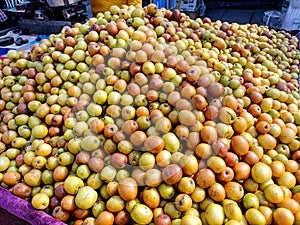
29,40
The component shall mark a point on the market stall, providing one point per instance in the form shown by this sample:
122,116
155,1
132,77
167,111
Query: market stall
144,115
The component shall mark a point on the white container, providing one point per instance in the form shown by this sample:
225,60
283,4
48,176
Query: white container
291,21
189,6
271,18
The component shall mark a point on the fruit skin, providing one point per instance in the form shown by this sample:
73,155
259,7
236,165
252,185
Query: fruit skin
283,216
106,218
214,214
40,201
234,190
128,189
4,163
171,174
232,210
274,193
33,178
22,190
90,143
183,202
254,216
261,172
72,184
151,198
250,200
86,197
191,220
141,214
171,142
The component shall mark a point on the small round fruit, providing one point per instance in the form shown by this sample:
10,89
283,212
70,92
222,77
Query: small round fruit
40,201
274,193
214,214
4,163
86,197
205,178
261,172
171,174
72,184
250,200
183,202
283,216
127,189
190,220
234,190
105,218
255,217
141,214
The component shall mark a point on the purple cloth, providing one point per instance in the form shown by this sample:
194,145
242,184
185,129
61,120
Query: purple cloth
24,210
3,17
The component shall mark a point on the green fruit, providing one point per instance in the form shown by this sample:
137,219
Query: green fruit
232,210
80,127
47,177
166,191
141,214
146,161
159,30
12,153
100,97
90,143
83,172
24,131
39,131
72,184
172,143
250,200
86,197
4,163
115,203
33,177
261,172
94,109
214,214
66,158
255,217
98,208
21,119
108,173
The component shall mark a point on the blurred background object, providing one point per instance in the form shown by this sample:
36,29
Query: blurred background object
45,16
291,18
